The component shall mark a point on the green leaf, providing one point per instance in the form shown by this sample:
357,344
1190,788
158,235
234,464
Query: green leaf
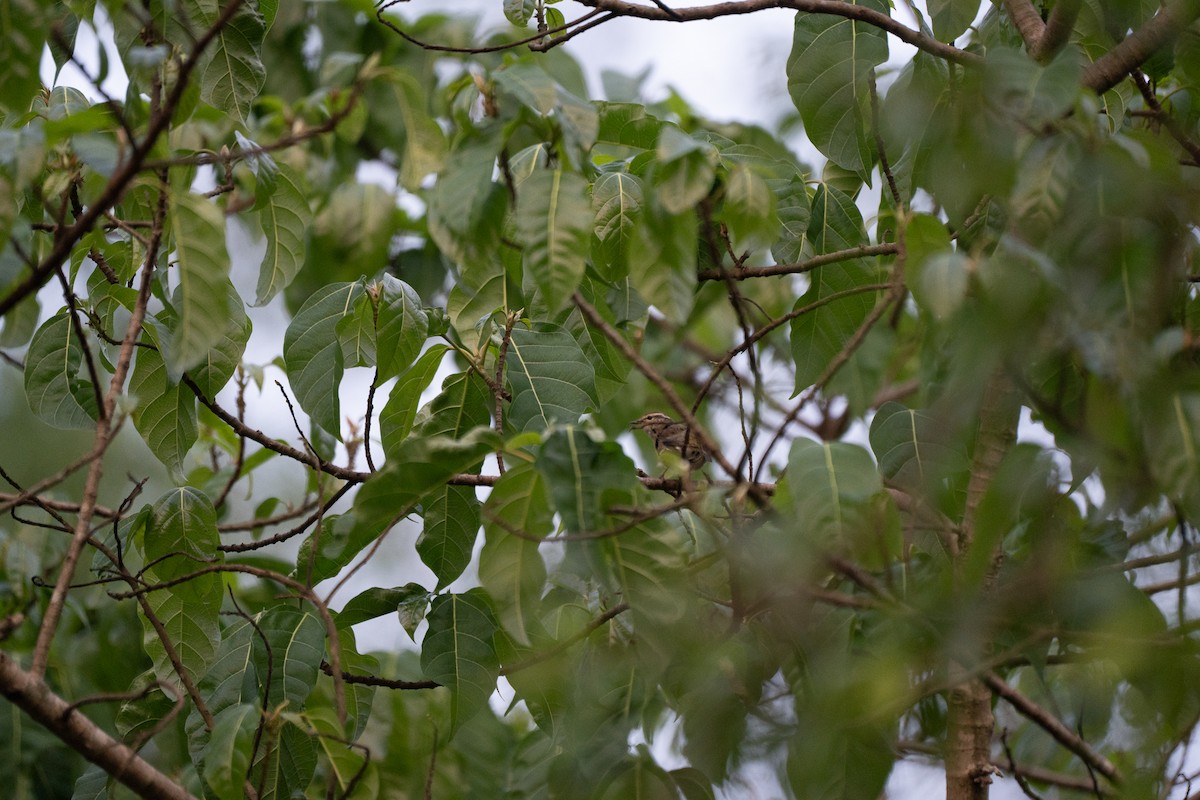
665,247
421,466
466,207
284,216
225,683
425,149
234,74
647,562
398,414
346,763
530,85
518,12
795,212
831,484
463,403
180,539
585,477
166,412
56,393
402,325
22,37
915,453
936,274
182,534
685,170
951,18
827,71
451,525
819,335
92,784
378,602
202,296
551,379
1034,93
227,757
286,766
554,224
749,210
314,355
221,362
297,644
356,333
457,652
628,125
617,204
510,568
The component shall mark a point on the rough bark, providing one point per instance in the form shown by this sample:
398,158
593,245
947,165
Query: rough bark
969,702
34,697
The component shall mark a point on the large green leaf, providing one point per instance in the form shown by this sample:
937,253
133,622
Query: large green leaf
916,453
457,652
795,212
451,524
166,412
402,327
202,296
297,644
554,224
56,393
181,538
819,335
617,204
464,403
378,602
585,478
284,215
398,414
662,260
234,74
685,170
551,379
831,484
647,563
227,757
424,143
182,534
418,468
225,683
285,765
466,207
221,362
951,18
510,567
22,37
831,59
314,355
749,210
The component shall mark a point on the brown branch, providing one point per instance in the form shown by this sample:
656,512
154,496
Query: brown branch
1057,31
29,693
1176,130
1027,21
1053,726
745,273
1111,68
105,430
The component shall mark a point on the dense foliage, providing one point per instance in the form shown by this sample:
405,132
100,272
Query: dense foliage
488,274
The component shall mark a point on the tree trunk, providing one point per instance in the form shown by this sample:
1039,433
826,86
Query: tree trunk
970,720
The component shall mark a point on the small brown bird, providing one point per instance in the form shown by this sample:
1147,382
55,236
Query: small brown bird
667,434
